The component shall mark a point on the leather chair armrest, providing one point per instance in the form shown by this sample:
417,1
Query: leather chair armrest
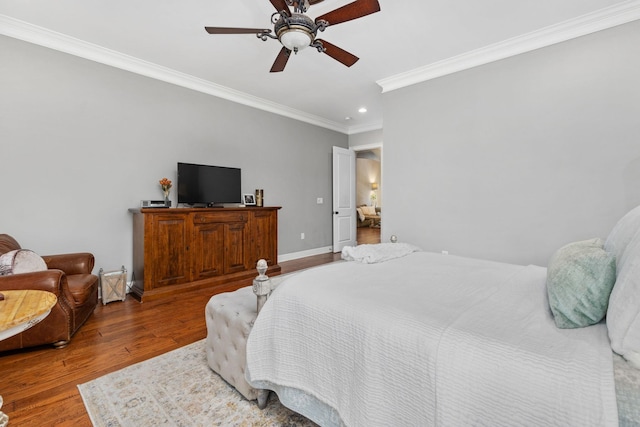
49,280
77,263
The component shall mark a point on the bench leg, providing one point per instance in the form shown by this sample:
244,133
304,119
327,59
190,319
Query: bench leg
263,397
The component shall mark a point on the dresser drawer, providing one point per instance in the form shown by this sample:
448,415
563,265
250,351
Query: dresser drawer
211,217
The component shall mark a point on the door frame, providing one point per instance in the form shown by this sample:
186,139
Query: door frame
366,147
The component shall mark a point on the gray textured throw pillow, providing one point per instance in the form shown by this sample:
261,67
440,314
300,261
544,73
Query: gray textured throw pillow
580,277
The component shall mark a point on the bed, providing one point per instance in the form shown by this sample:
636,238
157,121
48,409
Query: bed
399,336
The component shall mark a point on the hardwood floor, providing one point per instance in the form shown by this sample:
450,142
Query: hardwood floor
39,385
368,235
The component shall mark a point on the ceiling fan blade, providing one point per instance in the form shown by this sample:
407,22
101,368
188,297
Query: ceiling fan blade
338,54
312,2
227,30
281,5
281,60
355,10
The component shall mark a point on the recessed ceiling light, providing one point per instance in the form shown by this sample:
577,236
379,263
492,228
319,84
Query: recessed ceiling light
362,110
347,118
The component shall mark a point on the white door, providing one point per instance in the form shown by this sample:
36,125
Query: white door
344,198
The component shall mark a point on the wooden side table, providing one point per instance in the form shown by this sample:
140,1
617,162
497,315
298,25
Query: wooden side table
20,310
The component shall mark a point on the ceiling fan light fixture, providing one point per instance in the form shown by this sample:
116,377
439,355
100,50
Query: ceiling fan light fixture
295,39
295,32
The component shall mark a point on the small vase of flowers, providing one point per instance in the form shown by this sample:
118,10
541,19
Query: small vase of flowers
165,183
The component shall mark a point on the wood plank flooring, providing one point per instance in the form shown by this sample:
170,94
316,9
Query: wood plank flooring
39,385
368,235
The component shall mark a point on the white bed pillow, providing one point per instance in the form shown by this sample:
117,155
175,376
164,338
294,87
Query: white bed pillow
623,314
622,234
21,261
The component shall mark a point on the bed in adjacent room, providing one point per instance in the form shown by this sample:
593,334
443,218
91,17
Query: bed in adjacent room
404,337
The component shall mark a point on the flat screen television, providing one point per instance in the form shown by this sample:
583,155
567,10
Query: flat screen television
208,185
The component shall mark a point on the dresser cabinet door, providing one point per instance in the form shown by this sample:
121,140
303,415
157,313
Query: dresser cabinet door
208,253
222,243
264,235
169,250
236,245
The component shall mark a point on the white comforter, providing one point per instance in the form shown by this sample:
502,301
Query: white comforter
430,339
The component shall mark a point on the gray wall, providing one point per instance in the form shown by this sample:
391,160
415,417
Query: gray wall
511,160
82,142
373,137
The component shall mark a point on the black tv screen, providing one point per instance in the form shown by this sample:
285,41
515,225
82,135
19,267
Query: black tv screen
210,185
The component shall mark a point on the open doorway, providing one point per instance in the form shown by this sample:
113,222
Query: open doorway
369,200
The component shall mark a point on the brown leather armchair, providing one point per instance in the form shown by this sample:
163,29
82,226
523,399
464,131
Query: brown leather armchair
69,278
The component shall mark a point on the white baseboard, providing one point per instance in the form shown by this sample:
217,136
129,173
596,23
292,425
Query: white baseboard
303,254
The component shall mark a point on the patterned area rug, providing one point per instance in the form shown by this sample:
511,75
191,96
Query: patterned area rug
177,389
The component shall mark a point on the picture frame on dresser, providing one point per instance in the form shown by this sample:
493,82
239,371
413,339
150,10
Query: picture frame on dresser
249,199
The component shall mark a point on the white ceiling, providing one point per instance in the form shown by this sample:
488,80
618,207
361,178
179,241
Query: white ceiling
403,36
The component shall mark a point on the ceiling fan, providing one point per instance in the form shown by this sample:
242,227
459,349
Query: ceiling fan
296,31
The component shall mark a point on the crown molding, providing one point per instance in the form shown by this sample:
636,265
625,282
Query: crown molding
367,127
365,147
619,14
25,31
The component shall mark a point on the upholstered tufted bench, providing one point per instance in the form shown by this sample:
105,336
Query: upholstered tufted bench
229,318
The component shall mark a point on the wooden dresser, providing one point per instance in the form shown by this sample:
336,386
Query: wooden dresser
182,249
